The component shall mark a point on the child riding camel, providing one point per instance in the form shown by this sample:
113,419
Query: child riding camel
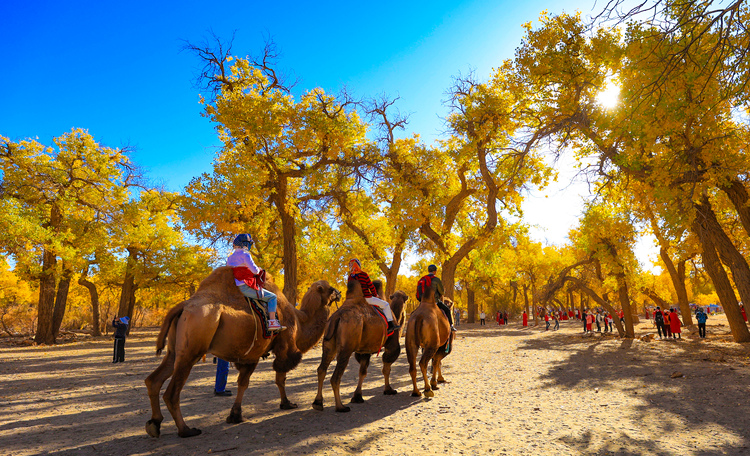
251,285
371,295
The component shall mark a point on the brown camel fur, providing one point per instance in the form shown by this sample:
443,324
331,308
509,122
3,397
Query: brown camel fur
217,319
429,329
358,328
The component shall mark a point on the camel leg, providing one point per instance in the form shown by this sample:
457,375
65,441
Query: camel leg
243,381
435,370
439,359
427,354
388,390
154,383
390,355
281,384
328,354
411,357
341,362
364,362
172,395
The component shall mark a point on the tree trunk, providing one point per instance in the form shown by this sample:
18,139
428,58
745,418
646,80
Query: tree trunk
526,299
624,297
723,286
94,304
448,276
678,281
128,284
47,281
289,235
727,251
737,193
45,310
582,303
655,297
61,300
534,303
471,305
391,274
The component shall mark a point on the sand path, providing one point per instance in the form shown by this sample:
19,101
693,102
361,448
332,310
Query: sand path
511,391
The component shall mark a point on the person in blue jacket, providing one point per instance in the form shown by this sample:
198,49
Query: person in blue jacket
701,316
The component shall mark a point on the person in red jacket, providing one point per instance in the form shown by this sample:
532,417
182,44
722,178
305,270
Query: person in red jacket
371,294
744,314
674,325
667,327
525,319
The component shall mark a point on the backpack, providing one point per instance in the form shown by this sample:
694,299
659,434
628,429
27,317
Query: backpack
658,318
423,285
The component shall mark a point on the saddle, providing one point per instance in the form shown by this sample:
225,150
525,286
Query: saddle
385,320
260,310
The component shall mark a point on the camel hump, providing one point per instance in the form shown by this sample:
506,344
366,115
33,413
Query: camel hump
217,280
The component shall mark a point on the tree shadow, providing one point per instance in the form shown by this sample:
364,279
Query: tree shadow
675,381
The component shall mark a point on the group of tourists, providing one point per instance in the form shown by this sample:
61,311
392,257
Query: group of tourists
603,320
668,323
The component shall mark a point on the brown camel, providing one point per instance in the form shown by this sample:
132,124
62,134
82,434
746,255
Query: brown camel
429,329
216,319
358,328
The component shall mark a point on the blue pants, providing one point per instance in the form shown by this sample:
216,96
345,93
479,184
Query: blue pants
222,371
265,296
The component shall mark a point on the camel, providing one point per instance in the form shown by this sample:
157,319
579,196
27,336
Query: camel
429,329
216,319
358,328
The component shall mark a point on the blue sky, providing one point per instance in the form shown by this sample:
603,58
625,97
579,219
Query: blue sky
117,69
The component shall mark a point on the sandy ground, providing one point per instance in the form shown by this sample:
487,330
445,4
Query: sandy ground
511,391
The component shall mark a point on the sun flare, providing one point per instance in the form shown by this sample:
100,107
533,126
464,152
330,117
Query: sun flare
609,97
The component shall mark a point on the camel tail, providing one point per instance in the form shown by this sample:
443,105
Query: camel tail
333,324
171,316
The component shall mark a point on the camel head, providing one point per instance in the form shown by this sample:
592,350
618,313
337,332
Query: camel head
398,302
320,294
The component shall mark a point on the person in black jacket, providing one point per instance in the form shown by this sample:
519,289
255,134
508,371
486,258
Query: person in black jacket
121,328
659,322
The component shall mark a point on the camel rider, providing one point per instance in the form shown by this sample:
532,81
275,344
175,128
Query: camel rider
370,293
424,284
241,257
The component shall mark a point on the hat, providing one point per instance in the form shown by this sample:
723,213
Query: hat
431,268
355,266
125,320
244,241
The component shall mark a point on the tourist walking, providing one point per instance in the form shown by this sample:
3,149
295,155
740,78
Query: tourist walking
121,329
482,316
584,320
701,316
675,324
525,319
659,322
557,320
